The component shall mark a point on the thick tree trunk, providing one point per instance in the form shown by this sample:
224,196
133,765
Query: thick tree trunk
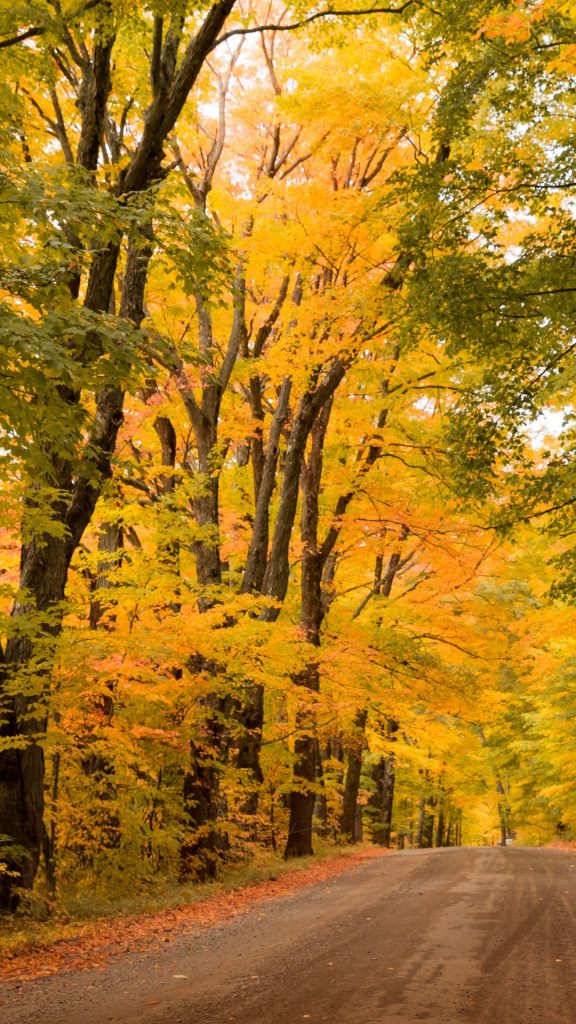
302,795
201,854
110,549
352,781
428,830
21,801
440,827
250,717
43,573
317,399
382,800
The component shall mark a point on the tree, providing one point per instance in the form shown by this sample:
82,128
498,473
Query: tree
259,421
79,53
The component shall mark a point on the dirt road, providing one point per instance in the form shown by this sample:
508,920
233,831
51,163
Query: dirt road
486,936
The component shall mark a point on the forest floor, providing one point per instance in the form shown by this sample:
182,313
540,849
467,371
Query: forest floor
483,935
31,948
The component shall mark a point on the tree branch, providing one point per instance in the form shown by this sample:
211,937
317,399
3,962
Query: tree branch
328,12
40,30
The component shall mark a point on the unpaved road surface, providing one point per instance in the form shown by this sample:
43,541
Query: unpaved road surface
472,935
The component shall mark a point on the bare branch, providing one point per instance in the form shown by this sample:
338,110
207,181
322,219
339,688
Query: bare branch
238,329
61,127
267,327
269,58
327,13
39,31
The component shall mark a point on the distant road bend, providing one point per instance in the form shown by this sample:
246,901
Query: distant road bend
446,936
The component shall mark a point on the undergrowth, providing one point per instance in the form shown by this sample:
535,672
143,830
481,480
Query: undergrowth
42,921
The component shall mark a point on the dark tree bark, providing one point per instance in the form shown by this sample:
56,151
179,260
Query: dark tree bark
382,801
439,841
348,827
202,852
320,809
264,462
503,808
110,550
168,549
428,829
302,794
299,843
458,828
201,786
387,804
210,751
503,813
98,768
264,487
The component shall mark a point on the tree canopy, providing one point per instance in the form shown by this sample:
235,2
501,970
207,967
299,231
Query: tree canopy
287,376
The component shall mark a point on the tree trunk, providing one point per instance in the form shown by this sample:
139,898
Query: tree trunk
428,830
320,813
458,826
110,547
168,548
503,812
348,822
440,829
421,817
201,854
204,805
382,801
250,716
302,796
